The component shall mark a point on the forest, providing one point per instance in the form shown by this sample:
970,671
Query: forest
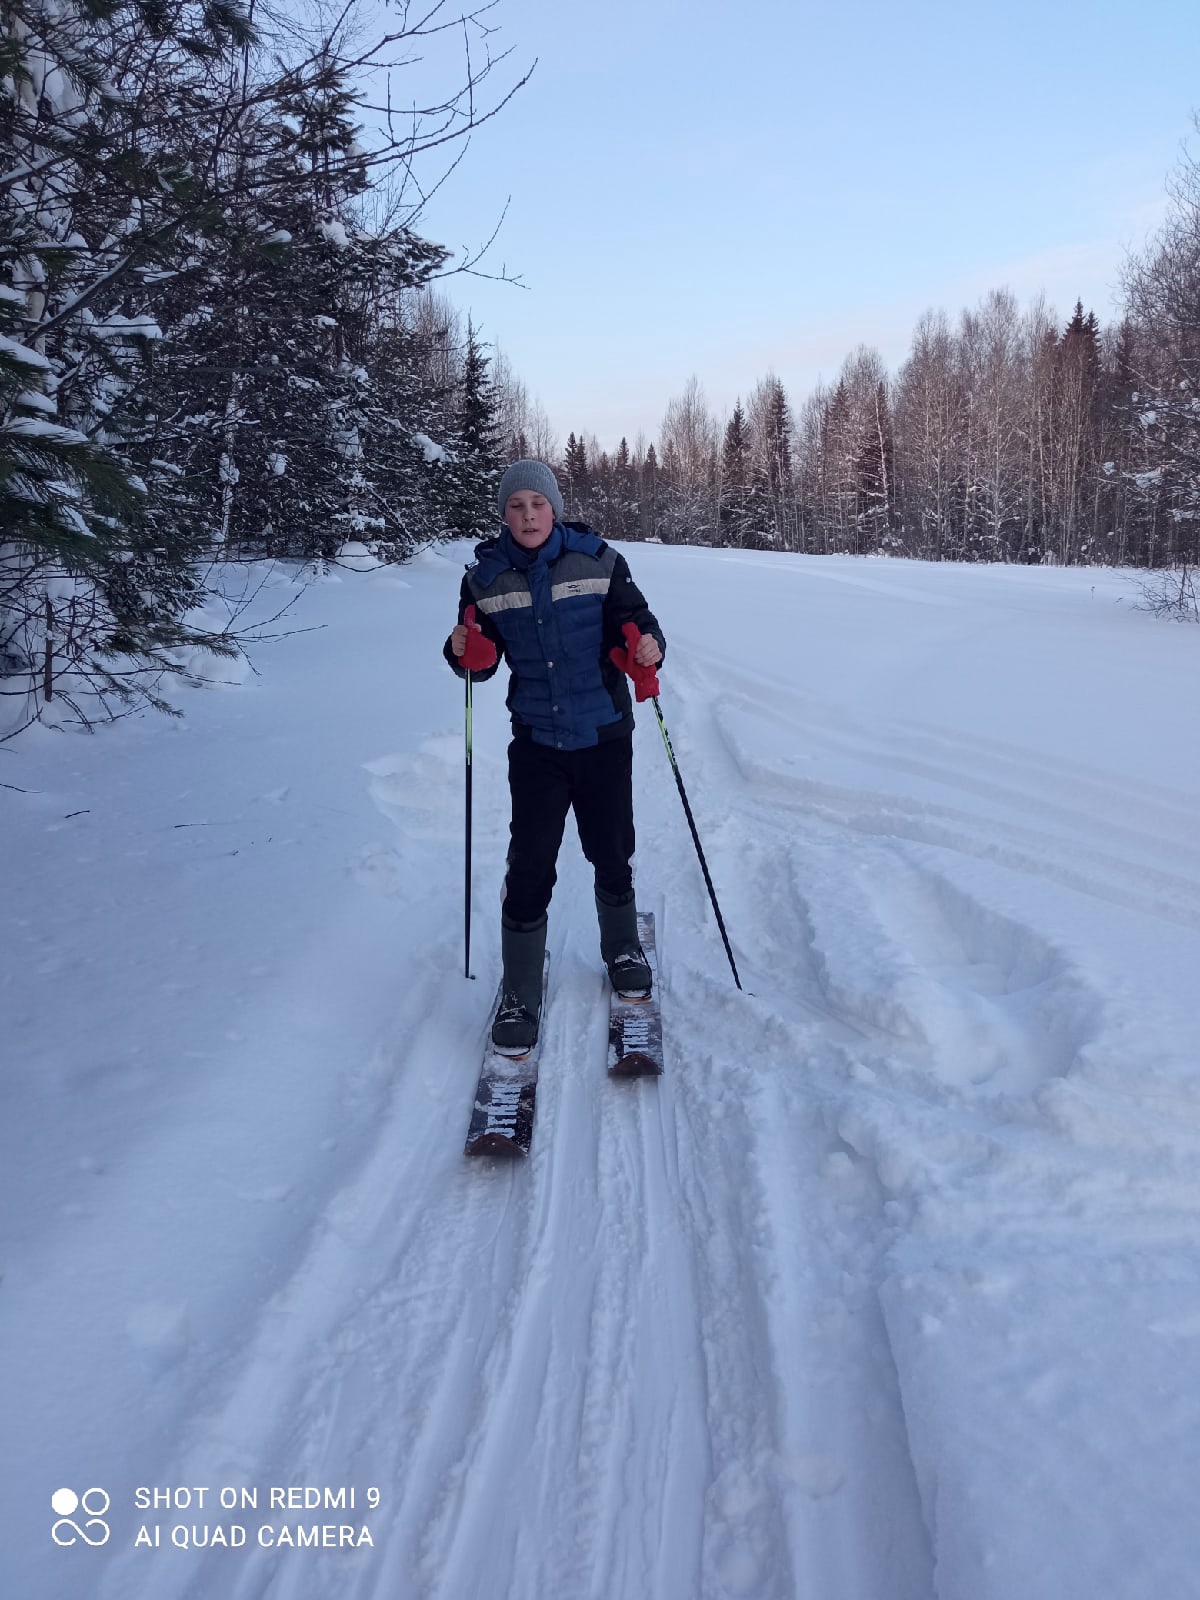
224,337
1004,437
217,337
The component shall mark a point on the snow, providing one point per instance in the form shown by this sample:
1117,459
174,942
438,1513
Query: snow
33,400
116,326
888,1287
356,557
431,450
23,354
334,232
39,428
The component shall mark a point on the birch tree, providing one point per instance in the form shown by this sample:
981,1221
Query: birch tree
1162,297
930,432
689,437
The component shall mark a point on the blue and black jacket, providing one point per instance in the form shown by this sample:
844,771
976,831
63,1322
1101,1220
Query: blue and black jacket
554,614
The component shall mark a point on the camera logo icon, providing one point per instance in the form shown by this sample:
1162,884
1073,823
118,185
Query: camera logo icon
91,1507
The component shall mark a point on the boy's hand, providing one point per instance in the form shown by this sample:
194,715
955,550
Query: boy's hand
471,646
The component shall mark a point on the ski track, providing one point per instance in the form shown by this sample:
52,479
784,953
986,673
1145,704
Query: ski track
884,973
738,1395
1154,826
714,1409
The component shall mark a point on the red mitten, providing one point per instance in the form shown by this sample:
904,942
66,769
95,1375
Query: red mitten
480,652
645,679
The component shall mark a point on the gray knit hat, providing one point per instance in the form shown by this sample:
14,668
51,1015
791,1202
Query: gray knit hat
535,475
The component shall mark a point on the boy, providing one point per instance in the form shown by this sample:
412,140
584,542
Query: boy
553,598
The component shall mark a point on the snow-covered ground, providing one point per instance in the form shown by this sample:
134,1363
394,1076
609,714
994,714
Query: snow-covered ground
889,1288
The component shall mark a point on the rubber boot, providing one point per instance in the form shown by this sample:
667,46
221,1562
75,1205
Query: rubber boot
620,949
523,946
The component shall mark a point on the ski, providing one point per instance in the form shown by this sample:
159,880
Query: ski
502,1120
635,1044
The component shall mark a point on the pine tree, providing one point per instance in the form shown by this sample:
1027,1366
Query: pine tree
477,402
736,467
100,183
771,472
649,497
778,451
577,484
283,442
1074,436
205,346
625,522
477,457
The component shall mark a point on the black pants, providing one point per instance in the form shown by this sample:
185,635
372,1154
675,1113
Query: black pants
597,784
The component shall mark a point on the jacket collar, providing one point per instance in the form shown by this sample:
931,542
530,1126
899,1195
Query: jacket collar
523,559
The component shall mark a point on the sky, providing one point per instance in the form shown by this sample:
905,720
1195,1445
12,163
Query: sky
730,191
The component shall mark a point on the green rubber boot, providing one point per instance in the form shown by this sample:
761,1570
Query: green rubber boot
620,949
523,945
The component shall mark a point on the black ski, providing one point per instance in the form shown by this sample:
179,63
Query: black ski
635,1044
502,1121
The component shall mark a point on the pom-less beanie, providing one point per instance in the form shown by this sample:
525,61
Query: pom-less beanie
535,475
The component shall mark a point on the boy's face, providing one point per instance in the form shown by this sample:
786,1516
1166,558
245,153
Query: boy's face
530,518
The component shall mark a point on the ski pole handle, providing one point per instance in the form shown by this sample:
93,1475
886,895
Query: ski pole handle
479,653
645,678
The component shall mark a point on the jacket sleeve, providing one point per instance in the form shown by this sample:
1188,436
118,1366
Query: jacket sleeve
624,603
465,599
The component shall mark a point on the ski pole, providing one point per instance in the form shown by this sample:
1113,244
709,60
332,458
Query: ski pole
467,870
712,894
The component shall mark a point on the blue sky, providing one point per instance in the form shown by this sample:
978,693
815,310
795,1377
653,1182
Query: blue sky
731,189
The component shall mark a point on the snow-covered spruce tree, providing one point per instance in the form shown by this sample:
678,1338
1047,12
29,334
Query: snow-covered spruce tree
152,154
262,397
771,464
611,509
576,478
599,513
623,520
474,471
651,497
415,363
585,474
446,406
734,515
92,601
406,466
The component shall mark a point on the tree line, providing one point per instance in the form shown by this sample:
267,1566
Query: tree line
218,333
1006,436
